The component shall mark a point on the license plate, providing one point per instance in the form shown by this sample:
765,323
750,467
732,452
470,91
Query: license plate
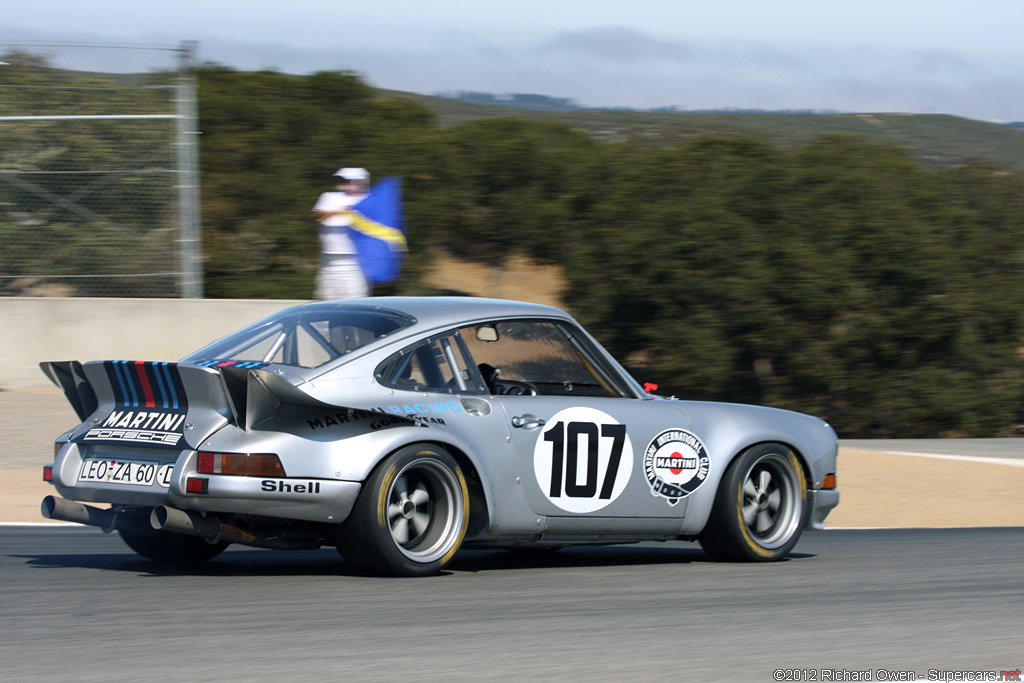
134,472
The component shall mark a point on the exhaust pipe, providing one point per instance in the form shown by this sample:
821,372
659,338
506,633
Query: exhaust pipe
191,524
69,511
172,520
213,530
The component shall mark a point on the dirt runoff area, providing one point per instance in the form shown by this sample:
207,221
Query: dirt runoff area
878,489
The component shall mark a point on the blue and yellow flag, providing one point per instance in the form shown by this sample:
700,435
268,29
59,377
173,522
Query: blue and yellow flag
378,231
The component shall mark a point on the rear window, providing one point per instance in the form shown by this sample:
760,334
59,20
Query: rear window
305,336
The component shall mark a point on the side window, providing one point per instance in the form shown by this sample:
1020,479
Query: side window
437,365
306,336
533,357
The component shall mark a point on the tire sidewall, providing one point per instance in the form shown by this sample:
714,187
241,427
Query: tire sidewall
727,535
369,526
746,463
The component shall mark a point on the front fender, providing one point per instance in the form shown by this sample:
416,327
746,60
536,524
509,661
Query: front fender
728,430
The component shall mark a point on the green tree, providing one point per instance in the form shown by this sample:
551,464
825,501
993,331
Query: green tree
843,279
514,188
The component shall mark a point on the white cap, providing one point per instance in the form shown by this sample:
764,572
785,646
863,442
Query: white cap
354,174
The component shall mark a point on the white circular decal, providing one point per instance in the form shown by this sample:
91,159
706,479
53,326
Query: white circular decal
676,464
163,475
583,459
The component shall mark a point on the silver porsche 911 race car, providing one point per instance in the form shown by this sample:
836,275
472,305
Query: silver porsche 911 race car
402,429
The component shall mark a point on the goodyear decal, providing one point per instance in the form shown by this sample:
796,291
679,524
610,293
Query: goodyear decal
150,405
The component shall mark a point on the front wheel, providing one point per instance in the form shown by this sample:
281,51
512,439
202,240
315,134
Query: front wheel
411,516
760,508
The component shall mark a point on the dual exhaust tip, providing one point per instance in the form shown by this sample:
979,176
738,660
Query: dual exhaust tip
164,518
161,518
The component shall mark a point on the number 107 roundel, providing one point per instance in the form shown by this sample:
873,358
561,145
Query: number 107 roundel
399,430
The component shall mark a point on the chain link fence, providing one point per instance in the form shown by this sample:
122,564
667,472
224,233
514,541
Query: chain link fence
98,189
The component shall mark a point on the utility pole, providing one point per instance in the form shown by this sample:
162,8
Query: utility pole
190,279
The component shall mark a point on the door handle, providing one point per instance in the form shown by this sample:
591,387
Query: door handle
527,422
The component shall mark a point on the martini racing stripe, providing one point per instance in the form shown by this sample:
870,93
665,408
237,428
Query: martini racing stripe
150,405
245,365
143,384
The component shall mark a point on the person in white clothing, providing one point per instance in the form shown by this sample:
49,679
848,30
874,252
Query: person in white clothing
340,276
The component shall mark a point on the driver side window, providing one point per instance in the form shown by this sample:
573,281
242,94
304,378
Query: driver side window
532,357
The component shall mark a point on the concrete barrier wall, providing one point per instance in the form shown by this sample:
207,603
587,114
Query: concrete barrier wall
33,330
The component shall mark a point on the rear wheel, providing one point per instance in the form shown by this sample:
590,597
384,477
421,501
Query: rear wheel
164,546
760,508
411,516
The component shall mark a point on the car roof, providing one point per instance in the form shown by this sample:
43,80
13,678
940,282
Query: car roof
440,311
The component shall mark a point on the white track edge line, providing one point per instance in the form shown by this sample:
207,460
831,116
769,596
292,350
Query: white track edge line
964,458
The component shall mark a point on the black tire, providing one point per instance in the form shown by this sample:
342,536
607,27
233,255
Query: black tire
168,547
411,515
760,508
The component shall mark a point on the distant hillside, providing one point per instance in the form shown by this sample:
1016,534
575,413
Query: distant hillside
514,101
564,104
932,138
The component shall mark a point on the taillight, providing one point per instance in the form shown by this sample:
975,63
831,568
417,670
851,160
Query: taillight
240,464
197,485
48,473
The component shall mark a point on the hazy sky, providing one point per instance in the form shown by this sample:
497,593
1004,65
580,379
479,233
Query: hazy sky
926,56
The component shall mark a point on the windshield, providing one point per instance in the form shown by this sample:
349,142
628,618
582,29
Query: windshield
305,336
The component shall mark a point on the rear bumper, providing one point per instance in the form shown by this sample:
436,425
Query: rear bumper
821,502
330,502
309,498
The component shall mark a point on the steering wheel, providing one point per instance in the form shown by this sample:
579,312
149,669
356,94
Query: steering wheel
511,387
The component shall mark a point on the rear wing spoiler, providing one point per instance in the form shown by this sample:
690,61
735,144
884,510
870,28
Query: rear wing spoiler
247,395
69,377
254,395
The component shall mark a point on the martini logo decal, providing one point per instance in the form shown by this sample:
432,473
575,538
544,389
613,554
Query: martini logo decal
676,464
150,405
